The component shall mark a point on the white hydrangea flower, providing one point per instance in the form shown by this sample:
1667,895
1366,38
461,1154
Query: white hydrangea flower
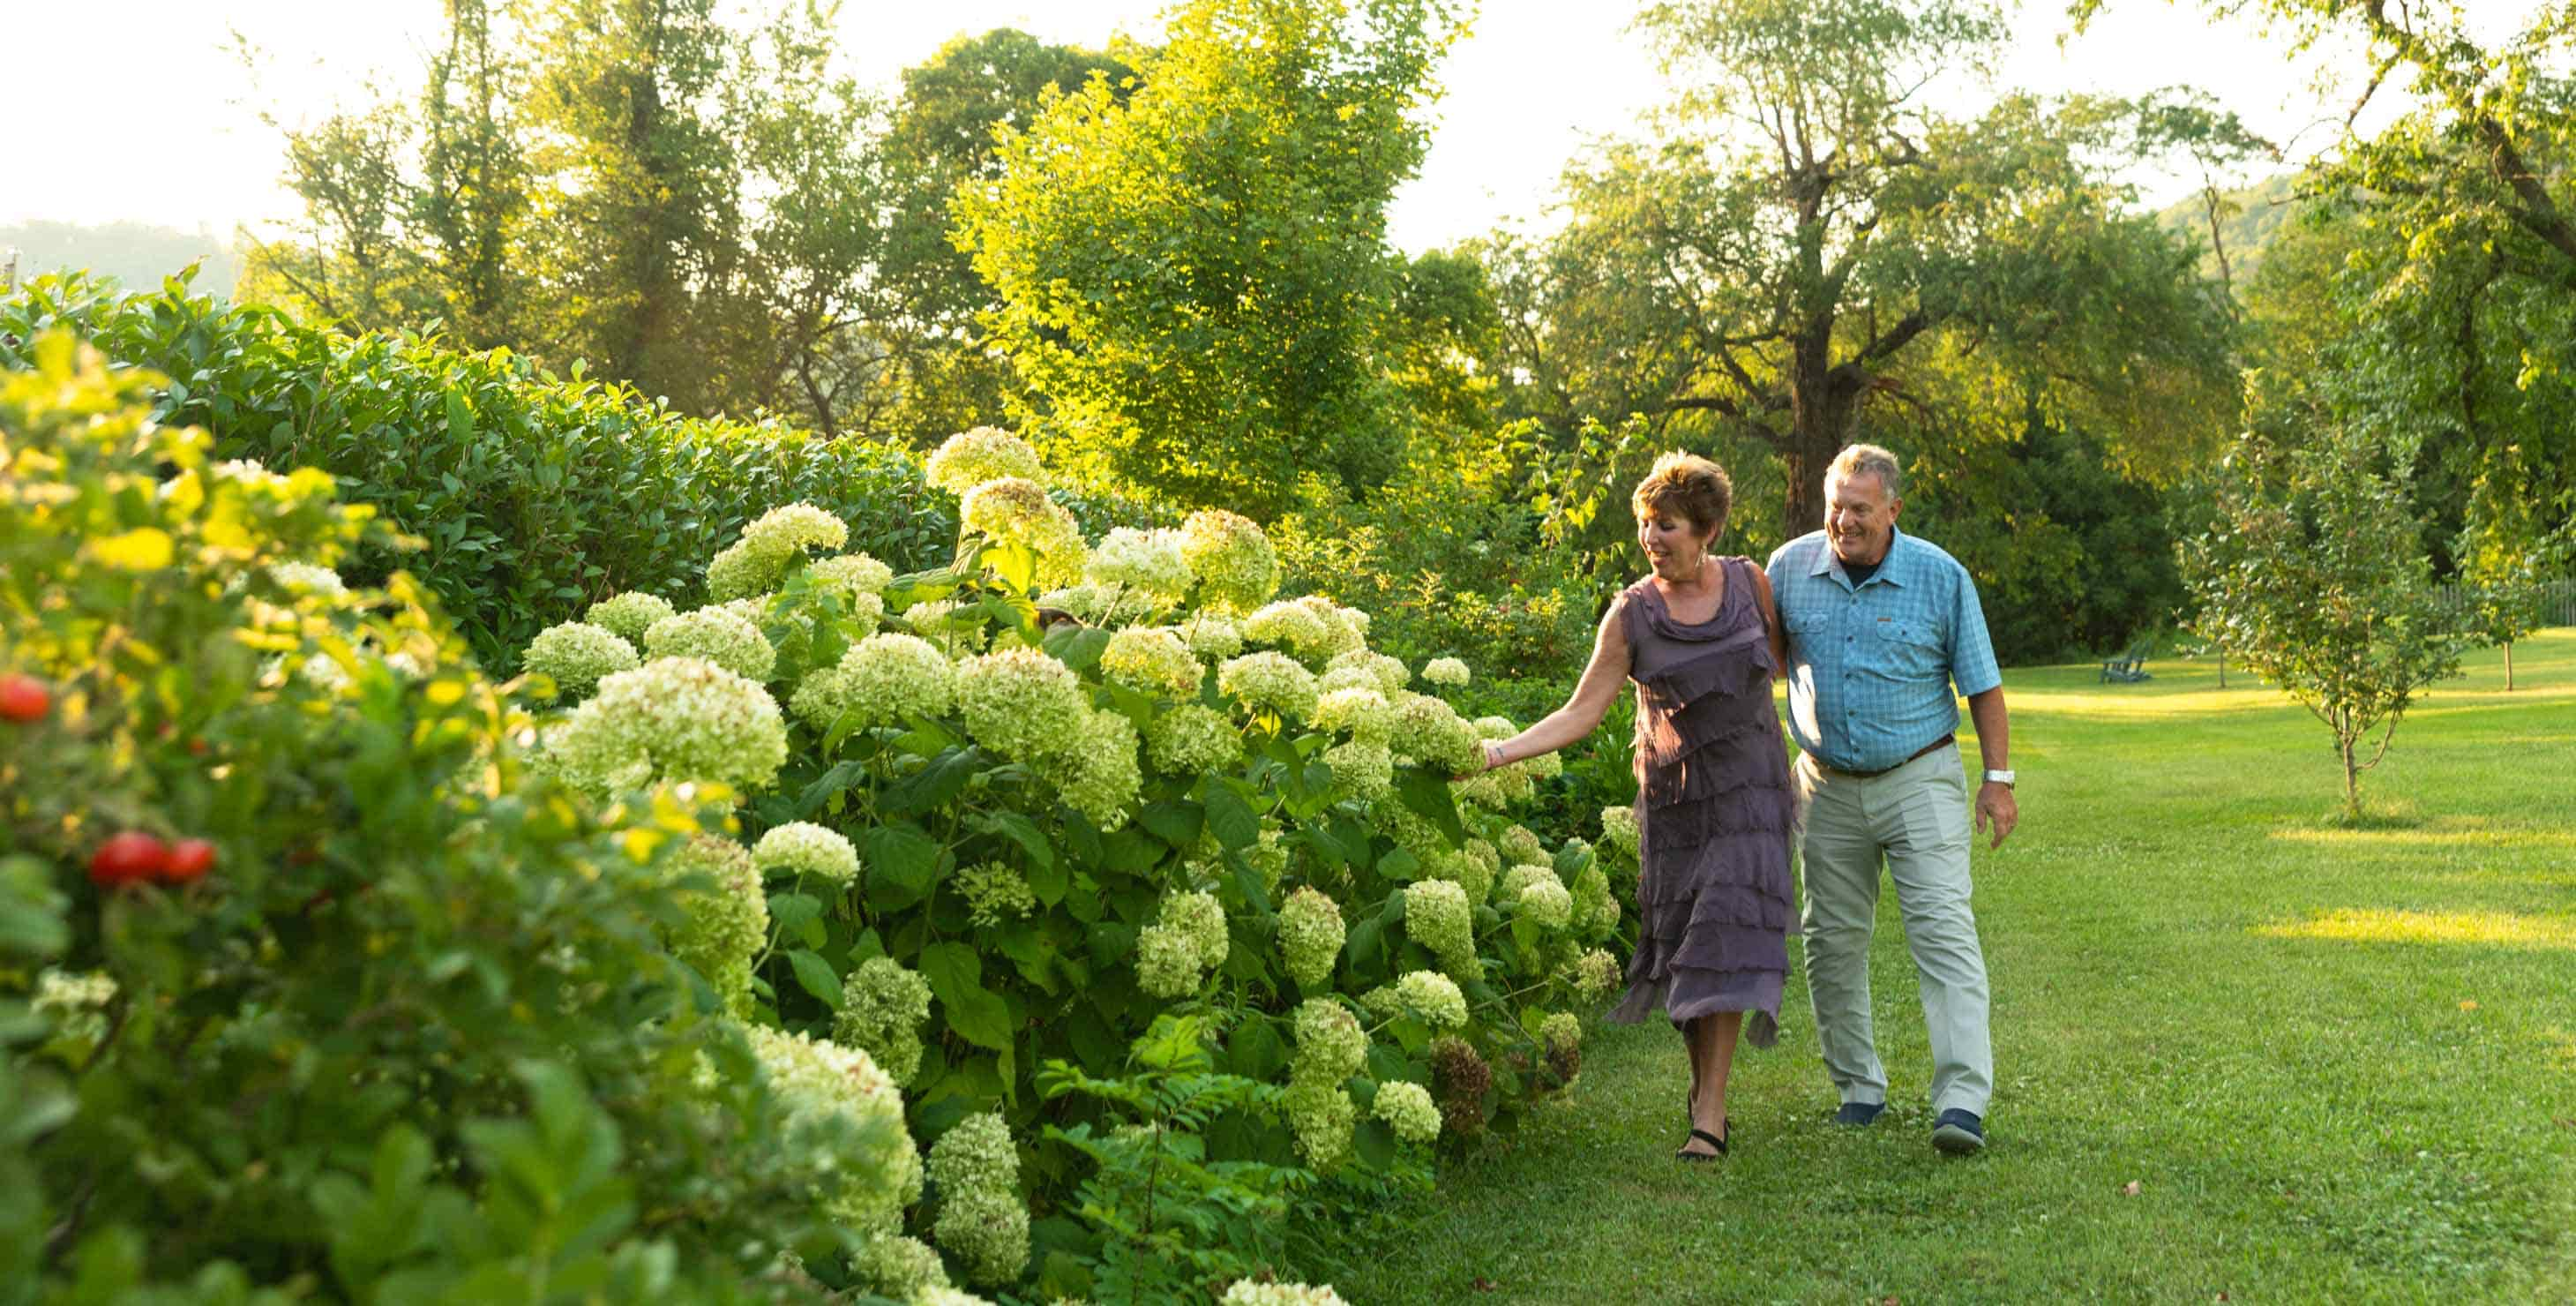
1269,681
788,531
804,848
306,578
1152,659
1408,1108
1236,567
1449,673
576,654
970,458
717,635
629,615
1245,1292
1146,562
679,719
813,1080
1212,636
1022,704
1434,997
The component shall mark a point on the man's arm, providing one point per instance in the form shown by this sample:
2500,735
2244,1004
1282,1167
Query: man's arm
1995,806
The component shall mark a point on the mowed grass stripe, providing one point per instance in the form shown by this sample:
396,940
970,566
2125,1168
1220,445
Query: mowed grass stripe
2337,1062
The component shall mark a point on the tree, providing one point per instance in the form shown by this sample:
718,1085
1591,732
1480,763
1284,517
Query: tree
2441,319
2315,577
1806,233
1194,283
689,208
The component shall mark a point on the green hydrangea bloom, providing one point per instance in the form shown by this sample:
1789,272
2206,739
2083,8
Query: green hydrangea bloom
727,925
1331,1046
1154,660
1212,636
1362,769
1521,847
1386,674
1434,997
1233,560
577,654
1100,777
1449,673
987,1231
970,458
976,1152
933,619
1167,962
1246,1292
1291,626
814,1080
1561,1031
1143,562
788,531
852,575
1430,731
1268,858
1540,895
1310,937
899,1268
1191,739
1619,830
75,1005
1320,1115
995,893
1438,916
740,571
883,1007
719,636
1269,681
1361,713
804,848
629,615
1408,1109
1594,975
1021,703
886,679
308,578
1345,630
1015,510
1201,919
677,719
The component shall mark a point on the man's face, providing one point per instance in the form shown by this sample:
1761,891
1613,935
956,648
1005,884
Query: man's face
1860,518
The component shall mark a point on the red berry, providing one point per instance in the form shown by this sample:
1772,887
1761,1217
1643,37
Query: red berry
24,698
190,859
128,858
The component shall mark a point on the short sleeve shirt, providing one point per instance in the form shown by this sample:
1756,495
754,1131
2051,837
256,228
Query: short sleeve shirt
1871,665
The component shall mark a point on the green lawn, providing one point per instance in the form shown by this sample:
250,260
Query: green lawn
2335,1063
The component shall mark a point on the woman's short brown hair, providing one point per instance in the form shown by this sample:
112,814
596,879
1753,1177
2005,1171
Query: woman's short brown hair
1688,486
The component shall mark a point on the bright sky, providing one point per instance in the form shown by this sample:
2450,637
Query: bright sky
176,139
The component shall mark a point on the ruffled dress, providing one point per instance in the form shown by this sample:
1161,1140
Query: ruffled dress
1714,811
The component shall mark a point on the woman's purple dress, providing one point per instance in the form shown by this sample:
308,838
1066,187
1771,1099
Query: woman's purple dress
1714,812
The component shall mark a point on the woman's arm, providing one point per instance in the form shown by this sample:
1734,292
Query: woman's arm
1592,698
1771,620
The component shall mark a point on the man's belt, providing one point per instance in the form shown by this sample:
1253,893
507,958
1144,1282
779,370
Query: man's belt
1925,751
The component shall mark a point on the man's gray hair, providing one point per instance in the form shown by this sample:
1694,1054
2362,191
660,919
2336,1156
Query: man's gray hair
1858,458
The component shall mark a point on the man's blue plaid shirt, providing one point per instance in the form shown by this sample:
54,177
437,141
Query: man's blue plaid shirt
1870,668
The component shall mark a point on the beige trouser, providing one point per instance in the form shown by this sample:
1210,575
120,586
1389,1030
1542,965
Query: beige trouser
1915,818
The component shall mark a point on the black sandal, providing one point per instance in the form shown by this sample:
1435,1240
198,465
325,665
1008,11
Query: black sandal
1713,1140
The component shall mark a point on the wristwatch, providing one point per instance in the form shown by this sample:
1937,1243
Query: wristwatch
1994,777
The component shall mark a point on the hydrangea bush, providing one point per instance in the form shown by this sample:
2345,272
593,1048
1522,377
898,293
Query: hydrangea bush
1088,784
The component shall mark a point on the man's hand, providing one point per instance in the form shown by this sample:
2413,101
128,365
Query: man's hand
1997,810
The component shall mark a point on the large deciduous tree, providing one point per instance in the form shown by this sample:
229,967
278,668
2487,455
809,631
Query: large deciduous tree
1194,283
1810,243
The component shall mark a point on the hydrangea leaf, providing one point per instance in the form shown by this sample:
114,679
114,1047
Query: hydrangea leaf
1078,647
798,916
935,784
1230,818
816,976
1256,1051
903,864
1374,1143
1175,823
956,978
1428,795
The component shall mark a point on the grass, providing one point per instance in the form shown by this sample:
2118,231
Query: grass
2244,1050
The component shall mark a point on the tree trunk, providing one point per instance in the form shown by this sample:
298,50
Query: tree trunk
2351,780
2508,666
1824,416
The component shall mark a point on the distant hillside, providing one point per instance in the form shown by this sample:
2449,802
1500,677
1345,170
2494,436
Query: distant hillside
2260,212
137,254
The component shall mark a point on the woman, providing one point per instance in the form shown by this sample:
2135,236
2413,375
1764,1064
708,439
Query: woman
1702,642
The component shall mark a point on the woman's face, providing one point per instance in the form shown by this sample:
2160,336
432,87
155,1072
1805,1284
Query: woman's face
1674,547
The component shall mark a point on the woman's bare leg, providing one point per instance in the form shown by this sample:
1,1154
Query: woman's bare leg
1711,1040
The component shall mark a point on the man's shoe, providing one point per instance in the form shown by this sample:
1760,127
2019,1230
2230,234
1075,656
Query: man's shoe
1958,1132
1861,1113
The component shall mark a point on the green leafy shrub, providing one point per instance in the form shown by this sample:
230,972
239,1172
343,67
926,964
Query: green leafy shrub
526,495
1213,804
305,981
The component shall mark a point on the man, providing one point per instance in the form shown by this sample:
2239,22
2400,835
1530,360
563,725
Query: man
1878,626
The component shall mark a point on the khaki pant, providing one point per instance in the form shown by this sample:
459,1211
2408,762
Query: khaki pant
1916,819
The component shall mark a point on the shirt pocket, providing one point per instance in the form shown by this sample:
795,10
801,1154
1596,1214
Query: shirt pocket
1810,622
1911,648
